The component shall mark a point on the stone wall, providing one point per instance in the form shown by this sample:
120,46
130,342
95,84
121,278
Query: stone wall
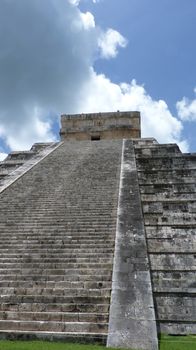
168,193
117,125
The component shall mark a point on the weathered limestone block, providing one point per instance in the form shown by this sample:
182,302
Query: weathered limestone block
164,150
174,245
169,189
179,261
176,328
177,307
151,177
174,281
170,218
96,126
171,232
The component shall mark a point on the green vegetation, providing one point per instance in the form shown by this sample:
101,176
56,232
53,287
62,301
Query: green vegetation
177,342
43,345
166,343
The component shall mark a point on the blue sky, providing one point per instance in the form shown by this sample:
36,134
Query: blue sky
69,56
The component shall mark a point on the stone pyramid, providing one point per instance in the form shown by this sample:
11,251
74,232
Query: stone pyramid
97,236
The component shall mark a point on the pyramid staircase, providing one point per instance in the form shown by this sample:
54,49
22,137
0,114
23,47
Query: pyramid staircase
58,224
57,234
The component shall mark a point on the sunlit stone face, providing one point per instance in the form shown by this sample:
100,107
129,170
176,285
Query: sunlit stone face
97,126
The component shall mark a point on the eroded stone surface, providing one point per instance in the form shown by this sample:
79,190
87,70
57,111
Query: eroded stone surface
57,230
100,126
132,319
167,181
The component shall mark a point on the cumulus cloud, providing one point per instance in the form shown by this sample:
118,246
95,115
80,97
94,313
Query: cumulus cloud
109,42
186,109
38,129
88,20
100,94
47,52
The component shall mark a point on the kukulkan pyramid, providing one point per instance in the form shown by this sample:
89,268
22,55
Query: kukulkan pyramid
98,236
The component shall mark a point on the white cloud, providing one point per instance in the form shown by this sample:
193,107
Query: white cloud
74,2
88,20
2,156
38,130
47,51
109,42
100,94
187,109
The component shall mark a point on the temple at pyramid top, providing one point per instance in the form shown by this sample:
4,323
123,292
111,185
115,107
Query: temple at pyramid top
100,126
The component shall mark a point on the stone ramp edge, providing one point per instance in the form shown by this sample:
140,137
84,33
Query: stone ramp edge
27,166
132,318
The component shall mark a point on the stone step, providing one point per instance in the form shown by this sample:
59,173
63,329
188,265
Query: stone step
92,234
74,212
33,250
57,244
86,213
73,223
23,155
41,250
11,162
79,337
35,228
61,272
56,278
61,233
53,326
51,239
55,307
29,260
63,238
35,290
58,284
56,299
4,268
52,256
55,316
